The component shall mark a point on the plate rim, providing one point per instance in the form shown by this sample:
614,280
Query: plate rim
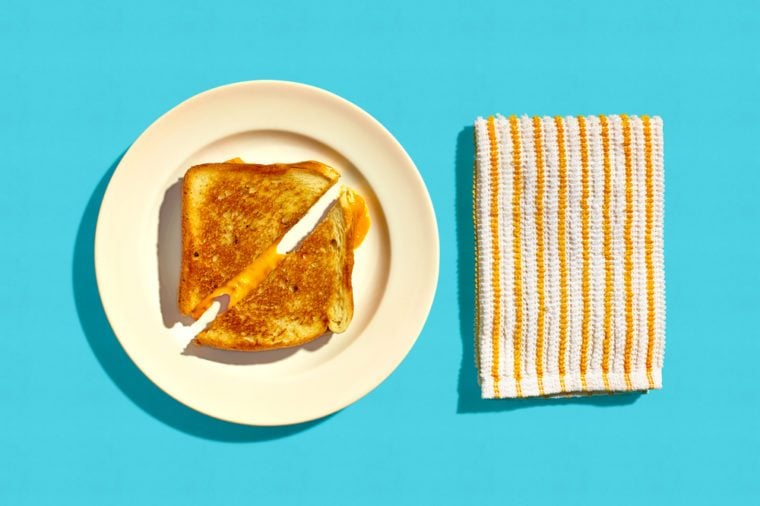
426,299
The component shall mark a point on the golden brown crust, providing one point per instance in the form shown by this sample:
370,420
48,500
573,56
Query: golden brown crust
346,203
317,168
307,294
184,277
231,212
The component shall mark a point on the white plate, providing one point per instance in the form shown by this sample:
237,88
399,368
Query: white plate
137,252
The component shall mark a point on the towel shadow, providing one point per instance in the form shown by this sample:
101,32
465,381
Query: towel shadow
120,368
469,399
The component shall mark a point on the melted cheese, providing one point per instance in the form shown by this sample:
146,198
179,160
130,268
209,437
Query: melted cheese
247,280
237,159
361,222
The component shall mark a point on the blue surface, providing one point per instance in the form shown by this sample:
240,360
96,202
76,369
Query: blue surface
81,80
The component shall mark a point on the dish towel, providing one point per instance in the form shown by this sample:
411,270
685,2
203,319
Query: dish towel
570,285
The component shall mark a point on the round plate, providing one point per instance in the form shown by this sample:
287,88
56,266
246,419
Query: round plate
137,252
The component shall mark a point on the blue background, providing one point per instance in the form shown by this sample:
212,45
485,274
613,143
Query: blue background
81,80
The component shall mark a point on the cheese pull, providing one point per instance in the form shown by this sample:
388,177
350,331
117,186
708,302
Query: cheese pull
242,284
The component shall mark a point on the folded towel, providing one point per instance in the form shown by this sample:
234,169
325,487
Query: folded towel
570,283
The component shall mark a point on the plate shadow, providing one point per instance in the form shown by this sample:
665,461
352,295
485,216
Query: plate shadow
120,368
469,399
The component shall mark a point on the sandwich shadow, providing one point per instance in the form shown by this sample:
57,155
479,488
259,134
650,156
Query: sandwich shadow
469,399
248,358
169,251
118,366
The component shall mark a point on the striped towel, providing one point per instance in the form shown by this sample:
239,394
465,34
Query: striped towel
570,285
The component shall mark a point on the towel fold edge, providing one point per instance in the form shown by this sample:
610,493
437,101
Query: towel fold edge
637,381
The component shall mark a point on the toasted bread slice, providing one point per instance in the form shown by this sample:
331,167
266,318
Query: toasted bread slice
231,212
309,292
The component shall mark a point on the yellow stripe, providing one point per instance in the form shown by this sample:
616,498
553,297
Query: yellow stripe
586,278
516,189
562,249
495,274
540,270
649,247
608,269
627,229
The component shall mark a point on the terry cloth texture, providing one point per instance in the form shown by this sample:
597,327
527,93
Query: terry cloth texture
570,284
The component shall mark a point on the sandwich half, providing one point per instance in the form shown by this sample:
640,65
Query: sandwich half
307,293
232,212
